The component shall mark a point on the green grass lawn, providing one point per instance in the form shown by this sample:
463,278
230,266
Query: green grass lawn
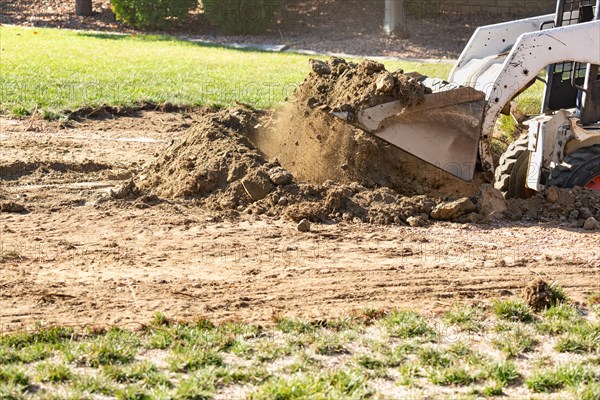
55,70
371,354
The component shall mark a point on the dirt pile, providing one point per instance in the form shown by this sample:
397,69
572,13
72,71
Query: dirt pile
538,295
218,166
305,138
572,206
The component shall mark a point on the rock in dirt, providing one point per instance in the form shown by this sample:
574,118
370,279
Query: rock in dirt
280,176
471,218
385,83
319,67
13,208
590,224
257,186
491,201
585,213
451,210
416,222
552,194
304,226
538,295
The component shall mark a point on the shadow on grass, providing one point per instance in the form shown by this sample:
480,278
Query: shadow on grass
173,39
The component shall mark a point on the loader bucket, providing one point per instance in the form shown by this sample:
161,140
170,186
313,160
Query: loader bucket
443,130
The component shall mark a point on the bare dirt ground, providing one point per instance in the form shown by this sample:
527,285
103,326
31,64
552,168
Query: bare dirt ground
78,257
437,28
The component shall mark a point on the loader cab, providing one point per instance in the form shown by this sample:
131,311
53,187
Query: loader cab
570,84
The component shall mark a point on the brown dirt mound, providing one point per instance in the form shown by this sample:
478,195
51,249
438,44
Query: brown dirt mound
218,166
538,295
315,146
215,155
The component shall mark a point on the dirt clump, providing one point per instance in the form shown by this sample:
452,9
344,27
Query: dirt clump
214,155
572,206
217,166
341,86
538,295
12,207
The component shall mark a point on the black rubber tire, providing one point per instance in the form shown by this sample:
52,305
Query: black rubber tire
577,169
511,174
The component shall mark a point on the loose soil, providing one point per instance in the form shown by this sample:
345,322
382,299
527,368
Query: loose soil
89,247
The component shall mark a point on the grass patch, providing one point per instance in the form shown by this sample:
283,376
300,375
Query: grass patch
406,324
559,319
100,385
115,346
13,375
504,373
197,387
552,380
515,342
52,372
590,392
455,375
144,372
580,338
290,325
434,358
466,317
47,335
512,310
59,69
193,360
330,344
332,384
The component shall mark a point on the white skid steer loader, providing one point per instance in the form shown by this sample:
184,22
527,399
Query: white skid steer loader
453,128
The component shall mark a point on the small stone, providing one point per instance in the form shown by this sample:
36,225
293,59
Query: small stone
282,201
418,189
590,224
585,213
385,83
552,194
471,218
574,215
280,176
304,226
450,210
257,187
492,200
415,222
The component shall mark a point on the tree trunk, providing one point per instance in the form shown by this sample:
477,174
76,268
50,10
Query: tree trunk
83,7
395,18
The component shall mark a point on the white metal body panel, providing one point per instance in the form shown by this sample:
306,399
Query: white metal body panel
493,40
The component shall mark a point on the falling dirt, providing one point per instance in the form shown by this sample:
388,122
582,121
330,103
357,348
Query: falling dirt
305,138
338,85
